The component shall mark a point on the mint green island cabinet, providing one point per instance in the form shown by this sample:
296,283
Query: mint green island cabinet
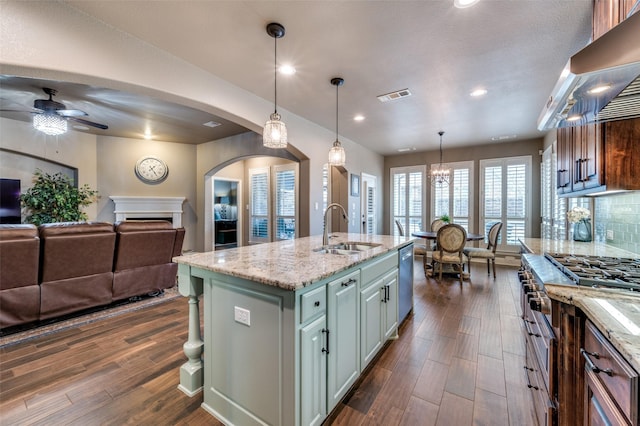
287,330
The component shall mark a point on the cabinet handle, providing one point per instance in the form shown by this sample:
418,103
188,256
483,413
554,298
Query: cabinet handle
384,294
317,303
387,290
577,173
349,282
591,365
526,373
583,168
326,350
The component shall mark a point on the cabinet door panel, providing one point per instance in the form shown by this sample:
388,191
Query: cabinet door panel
565,157
592,172
391,305
599,408
342,322
313,373
370,322
606,15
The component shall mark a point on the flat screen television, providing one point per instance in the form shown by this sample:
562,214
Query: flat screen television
9,200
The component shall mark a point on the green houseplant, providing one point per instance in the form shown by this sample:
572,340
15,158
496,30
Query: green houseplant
445,218
54,198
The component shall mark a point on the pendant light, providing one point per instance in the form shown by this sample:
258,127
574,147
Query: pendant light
274,134
337,156
439,175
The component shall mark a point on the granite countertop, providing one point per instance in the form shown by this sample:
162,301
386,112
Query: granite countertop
290,264
543,245
616,313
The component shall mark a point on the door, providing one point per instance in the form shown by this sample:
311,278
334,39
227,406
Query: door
369,205
342,323
371,321
313,372
390,305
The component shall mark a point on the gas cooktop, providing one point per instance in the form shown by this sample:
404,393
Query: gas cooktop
599,271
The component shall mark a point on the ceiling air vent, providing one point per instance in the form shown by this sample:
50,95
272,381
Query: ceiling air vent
394,95
211,124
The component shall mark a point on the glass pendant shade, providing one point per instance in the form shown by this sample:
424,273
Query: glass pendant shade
337,155
50,124
274,134
439,175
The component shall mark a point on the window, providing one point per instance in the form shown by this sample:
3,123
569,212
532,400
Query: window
505,196
259,205
285,203
553,208
455,200
407,198
273,203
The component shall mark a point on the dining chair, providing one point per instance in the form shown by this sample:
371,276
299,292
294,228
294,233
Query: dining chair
488,253
418,248
450,242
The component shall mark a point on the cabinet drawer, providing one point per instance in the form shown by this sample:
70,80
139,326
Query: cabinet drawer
378,267
617,377
313,303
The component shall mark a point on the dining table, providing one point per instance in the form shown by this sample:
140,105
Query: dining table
433,235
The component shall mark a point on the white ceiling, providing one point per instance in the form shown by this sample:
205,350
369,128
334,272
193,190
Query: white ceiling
514,48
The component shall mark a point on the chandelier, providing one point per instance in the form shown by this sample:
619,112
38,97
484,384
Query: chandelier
50,124
439,175
337,156
274,134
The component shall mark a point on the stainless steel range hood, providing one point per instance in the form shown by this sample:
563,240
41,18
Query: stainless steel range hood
612,62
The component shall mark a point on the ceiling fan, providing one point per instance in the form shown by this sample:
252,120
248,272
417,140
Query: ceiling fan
51,116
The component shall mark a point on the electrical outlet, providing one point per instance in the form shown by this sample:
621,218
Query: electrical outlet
241,315
609,234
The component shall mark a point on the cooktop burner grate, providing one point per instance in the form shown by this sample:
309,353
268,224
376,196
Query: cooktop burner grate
599,271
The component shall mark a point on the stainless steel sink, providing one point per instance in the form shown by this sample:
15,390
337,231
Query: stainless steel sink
349,247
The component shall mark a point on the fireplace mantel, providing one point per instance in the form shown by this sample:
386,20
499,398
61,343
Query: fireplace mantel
133,207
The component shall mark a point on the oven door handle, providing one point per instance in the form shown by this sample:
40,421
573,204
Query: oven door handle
591,366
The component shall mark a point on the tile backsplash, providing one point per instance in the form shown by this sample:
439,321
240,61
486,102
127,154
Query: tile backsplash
617,220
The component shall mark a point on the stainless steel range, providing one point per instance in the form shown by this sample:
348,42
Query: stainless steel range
560,269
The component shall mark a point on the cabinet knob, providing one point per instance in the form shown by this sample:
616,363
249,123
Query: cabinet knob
317,303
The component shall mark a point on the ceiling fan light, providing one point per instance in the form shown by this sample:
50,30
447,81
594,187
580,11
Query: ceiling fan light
50,124
337,155
274,134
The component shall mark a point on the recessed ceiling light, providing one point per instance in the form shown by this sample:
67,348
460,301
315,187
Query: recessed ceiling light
461,4
358,117
599,89
211,124
478,92
406,149
147,135
287,69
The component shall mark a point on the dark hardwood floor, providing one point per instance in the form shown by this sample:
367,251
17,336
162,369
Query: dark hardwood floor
459,361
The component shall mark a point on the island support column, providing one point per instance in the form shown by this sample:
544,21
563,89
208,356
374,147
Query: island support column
191,372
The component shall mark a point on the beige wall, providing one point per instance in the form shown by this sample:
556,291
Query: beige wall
74,150
475,153
115,170
119,61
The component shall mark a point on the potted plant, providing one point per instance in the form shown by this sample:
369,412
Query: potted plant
54,198
445,218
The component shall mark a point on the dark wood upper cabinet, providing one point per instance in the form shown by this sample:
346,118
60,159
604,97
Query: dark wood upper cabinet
606,15
598,157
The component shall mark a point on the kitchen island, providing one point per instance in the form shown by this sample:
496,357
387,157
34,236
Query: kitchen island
288,328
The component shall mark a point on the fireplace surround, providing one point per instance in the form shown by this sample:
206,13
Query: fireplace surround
137,207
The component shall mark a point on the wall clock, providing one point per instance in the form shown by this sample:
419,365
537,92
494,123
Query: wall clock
151,169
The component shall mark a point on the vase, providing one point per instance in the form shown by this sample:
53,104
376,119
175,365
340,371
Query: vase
582,231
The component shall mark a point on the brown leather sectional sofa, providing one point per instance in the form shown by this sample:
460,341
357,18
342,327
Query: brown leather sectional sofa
60,268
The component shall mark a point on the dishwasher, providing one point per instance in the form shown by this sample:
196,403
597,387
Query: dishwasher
405,282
